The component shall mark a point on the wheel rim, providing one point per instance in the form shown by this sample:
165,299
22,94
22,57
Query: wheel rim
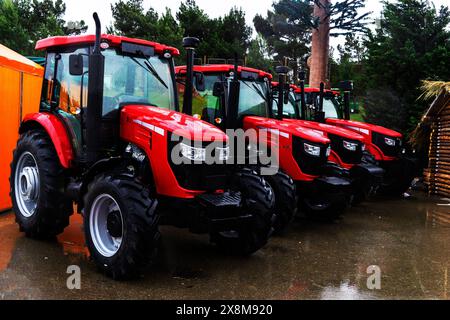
106,225
27,184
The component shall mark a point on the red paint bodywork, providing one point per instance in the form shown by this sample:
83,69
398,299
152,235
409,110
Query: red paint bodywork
57,132
366,131
111,39
362,128
148,128
334,130
283,147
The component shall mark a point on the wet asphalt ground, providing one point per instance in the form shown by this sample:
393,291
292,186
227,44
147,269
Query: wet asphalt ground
408,239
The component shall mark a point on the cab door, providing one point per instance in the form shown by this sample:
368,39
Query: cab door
65,95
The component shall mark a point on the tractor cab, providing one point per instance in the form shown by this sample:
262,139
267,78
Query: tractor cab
213,84
127,72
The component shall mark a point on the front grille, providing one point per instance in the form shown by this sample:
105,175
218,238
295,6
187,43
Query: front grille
347,156
198,176
309,164
379,140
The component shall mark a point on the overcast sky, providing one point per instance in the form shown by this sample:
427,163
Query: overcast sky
83,9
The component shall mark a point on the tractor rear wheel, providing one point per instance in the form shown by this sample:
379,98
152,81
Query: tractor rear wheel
286,200
121,225
37,187
258,201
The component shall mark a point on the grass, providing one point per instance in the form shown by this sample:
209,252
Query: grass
358,116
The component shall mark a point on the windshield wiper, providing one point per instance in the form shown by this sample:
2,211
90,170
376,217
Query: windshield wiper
149,68
258,91
155,73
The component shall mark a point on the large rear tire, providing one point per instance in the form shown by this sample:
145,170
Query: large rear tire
286,200
37,187
121,225
257,200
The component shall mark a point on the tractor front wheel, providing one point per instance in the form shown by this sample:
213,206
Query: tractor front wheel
286,200
257,201
37,187
121,225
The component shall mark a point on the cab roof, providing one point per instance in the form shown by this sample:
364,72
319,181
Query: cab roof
308,89
214,68
113,40
317,90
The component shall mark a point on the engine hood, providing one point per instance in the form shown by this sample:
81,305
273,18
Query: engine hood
288,128
164,121
364,128
329,129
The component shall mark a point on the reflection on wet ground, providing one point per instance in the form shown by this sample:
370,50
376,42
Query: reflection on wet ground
409,240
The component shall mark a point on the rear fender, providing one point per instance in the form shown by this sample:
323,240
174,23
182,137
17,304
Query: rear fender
55,130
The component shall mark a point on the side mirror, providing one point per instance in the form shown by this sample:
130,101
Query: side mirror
76,67
200,81
218,89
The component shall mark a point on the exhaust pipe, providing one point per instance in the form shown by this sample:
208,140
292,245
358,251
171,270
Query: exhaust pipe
95,97
233,97
347,87
282,72
320,115
190,44
302,96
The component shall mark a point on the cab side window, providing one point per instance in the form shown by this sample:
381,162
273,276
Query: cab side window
65,94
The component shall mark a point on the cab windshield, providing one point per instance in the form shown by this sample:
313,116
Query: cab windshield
331,108
289,109
253,99
138,80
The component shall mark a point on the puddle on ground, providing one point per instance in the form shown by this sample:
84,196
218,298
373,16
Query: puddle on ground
408,239
9,233
72,240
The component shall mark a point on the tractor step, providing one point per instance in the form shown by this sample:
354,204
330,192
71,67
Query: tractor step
227,199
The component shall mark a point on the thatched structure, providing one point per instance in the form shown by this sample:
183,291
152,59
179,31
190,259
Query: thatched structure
434,131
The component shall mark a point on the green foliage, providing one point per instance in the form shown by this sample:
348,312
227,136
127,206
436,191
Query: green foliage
221,37
288,27
411,45
258,56
24,22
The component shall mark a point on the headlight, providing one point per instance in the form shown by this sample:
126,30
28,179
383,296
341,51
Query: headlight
191,153
363,147
200,154
312,150
224,153
350,146
328,151
390,142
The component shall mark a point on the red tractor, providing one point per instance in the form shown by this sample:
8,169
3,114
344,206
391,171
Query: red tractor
384,147
235,97
347,146
105,138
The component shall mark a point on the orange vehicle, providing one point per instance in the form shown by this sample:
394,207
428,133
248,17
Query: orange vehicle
20,89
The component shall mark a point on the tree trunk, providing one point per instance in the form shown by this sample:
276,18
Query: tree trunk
320,47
